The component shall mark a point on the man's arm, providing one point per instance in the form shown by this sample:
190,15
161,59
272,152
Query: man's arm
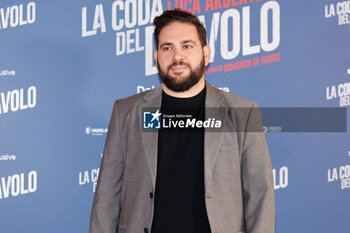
106,206
257,179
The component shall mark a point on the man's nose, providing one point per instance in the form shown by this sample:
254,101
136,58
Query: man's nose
178,55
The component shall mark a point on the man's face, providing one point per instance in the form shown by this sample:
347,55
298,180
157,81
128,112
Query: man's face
180,57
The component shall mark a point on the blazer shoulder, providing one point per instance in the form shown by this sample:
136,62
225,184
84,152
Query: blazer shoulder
131,100
235,101
129,103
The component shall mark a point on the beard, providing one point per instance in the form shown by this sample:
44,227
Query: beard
181,84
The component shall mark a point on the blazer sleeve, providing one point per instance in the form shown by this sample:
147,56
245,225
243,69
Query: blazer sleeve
257,178
106,205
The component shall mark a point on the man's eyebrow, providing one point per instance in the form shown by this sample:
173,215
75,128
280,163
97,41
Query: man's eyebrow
188,41
182,42
165,43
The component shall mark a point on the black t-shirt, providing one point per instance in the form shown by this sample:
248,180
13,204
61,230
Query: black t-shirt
179,196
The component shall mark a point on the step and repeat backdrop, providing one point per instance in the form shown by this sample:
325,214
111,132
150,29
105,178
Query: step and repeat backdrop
64,63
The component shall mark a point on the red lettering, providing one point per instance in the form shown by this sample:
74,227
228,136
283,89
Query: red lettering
208,4
217,3
226,3
196,7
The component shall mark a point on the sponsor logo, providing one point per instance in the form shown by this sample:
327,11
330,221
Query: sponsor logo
151,120
96,131
7,72
18,184
89,177
342,174
7,157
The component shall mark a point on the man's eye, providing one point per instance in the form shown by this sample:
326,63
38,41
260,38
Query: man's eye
166,48
187,46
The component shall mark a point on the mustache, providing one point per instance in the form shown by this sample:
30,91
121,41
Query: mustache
177,63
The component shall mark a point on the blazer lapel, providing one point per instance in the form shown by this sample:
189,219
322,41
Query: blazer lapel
153,101
212,139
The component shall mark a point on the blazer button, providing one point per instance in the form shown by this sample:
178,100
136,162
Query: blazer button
151,195
146,230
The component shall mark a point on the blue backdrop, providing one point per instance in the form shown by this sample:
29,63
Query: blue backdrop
63,63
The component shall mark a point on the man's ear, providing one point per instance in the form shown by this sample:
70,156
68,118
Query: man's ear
156,56
206,54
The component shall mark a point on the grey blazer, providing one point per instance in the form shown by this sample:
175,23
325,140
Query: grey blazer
239,194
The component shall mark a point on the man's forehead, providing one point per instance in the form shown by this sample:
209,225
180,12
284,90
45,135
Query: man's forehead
179,31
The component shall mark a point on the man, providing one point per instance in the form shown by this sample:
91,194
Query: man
184,181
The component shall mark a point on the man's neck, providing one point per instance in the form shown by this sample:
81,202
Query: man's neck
196,89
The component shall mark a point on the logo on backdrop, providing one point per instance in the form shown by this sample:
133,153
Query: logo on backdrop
280,177
7,73
8,157
340,174
132,23
18,184
96,131
89,177
17,15
17,100
339,10
341,91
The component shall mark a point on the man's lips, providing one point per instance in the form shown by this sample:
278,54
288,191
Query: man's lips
177,68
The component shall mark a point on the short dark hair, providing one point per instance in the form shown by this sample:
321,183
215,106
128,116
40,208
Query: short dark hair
170,16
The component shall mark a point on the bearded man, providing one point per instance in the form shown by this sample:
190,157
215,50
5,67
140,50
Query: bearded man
187,178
